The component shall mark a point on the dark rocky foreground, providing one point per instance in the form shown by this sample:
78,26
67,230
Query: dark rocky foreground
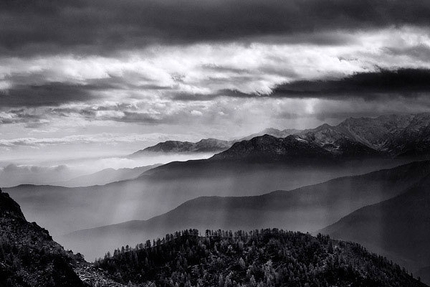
29,256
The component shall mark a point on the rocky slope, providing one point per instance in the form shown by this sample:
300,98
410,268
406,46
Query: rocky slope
29,256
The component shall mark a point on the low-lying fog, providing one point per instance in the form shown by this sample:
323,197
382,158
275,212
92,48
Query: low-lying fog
56,171
62,210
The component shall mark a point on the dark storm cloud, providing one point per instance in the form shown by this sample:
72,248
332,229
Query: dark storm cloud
407,83
49,94
96,26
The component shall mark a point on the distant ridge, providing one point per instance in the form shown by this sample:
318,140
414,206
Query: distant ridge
393,136
105,176
306,209
202,146
209,145
399,227
272,132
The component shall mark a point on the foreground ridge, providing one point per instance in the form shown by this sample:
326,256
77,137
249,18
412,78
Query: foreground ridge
29,256
268,257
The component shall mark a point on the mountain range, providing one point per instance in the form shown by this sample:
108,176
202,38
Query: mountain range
386,136
29,257
389,136
180,195
159,190
209,145
307,209
248,168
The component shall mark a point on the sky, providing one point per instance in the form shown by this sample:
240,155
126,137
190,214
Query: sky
88,78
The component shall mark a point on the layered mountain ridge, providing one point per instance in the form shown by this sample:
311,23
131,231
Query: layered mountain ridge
399,227
355,138
306,209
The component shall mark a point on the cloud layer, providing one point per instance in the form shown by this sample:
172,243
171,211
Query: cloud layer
408,83
74,69
98,26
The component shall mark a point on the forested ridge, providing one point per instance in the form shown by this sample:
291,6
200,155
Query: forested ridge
269,257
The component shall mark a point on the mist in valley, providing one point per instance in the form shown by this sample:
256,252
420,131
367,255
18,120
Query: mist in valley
74,172
63,210
306,209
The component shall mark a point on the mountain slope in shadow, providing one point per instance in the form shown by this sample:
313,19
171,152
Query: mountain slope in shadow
398,227
306,209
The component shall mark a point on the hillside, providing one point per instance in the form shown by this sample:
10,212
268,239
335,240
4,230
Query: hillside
399,227
258,258
28,255
306,209
30,258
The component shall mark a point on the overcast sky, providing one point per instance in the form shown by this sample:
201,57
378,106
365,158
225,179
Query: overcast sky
124,74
